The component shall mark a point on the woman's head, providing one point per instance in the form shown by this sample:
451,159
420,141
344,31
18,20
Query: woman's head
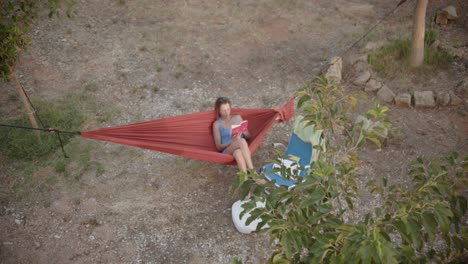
223,106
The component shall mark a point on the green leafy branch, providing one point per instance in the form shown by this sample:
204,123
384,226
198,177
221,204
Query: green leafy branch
307,224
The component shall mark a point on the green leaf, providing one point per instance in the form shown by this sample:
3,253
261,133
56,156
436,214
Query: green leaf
349,202
384,181
368,252
443,214
236,260
375,140
302,100
400,226
279,258
414,228
247,208
254,215
430,224
407,251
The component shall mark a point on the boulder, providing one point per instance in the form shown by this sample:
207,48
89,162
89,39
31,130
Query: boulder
442,98
362,78
334,69
385,94
424,99
403,99
451,12
361,65
372,86
441,18
448,13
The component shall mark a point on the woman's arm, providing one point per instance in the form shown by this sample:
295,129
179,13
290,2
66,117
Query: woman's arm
247,132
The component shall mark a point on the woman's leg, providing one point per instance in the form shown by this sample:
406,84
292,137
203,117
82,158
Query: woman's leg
244,147
241,152
240,160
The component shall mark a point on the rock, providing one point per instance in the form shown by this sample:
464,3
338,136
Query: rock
454,99
37,245
403,99
354,59
372,86
424,99
462,88
451,12
362,78
448,13
374,45
442,98
455,52
385,94
18,221
334,69
361,65
441,18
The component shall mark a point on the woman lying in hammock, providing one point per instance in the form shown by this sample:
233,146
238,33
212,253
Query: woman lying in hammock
225,142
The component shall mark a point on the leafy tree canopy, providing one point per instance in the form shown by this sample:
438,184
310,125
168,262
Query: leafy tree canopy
16,19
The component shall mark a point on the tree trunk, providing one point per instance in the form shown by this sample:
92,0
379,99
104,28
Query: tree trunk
419,28
24,99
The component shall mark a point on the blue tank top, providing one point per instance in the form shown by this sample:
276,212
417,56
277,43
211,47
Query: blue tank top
225,132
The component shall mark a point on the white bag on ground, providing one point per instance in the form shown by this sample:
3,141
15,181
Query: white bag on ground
239,223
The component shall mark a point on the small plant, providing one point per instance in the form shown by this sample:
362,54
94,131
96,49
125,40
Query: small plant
177,75
156,88
99,169
92,221
159,69
91,87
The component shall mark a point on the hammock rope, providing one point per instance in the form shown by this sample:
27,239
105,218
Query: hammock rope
49,130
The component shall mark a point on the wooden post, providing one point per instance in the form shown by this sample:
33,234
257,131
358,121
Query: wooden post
419,28
24,99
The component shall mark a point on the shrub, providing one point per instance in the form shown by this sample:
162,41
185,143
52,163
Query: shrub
306,225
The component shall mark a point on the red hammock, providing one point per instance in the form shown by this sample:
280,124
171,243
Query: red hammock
191,135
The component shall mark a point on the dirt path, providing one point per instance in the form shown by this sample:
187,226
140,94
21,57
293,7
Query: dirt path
150,59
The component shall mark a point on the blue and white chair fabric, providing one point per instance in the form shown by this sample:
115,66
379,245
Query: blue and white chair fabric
299,154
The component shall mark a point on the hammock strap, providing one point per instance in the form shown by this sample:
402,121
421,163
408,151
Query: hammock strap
49,130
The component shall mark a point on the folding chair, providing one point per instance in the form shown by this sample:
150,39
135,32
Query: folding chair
299,154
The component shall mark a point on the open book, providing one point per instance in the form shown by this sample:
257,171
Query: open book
240,128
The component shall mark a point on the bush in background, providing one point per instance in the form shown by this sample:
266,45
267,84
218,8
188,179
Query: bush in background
393,59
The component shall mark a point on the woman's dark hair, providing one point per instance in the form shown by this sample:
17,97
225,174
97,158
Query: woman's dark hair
220,101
